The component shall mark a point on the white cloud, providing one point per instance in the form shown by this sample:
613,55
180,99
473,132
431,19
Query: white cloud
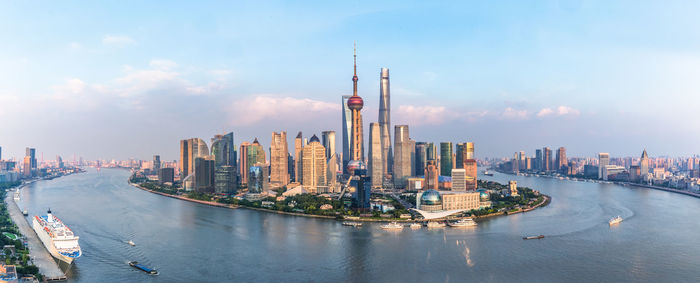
263,107
161,64
515,114
559,111
433,115
117,40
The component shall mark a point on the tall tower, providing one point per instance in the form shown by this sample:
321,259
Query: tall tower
279,172
385,121
375,157
355,104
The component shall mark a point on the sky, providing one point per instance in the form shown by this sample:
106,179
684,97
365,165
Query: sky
129,79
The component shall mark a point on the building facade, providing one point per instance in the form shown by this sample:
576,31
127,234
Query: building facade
445,158
375,165
404,152
314,166
279,171
385,121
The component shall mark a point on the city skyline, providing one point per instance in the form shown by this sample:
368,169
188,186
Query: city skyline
117,90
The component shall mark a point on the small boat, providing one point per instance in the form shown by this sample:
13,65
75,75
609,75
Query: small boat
467,222
487,173
25,212
615,220
533,237
143,268
392,226
353,224
434,224
414,226
131,243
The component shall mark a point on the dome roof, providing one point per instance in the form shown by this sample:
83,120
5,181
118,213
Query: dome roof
354,165
314,138
431,197
355,103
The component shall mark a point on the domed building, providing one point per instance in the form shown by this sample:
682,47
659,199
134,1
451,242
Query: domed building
431,200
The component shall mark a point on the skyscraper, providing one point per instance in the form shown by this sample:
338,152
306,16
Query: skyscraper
279,173
314,170
220,150
404,156
470,150
421,157
184,162
470,169
298,145
445,158
243,164
431,151
538,160
31,152
460,155
0,152
385,121
546,159
560,160
257,179
346,130
328,141
204,174
603,160
155,167
231,150
256,154
27,167
644,164
459,182
355,104
376,160
431,175
225,181
196,147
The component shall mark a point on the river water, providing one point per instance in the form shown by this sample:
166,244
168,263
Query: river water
658,241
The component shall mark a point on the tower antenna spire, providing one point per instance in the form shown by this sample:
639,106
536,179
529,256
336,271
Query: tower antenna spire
354,57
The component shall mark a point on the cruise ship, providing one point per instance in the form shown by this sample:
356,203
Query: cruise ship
58,239
615,220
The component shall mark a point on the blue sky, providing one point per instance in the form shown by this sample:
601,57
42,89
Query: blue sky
130,78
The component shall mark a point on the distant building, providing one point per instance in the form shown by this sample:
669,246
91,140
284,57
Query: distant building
609,170
204,174
243,164
644,163
513,188
431,176
561,162
376,162
328,141
432,201
155,166
470,169
546,159
470,151
445,158
257,179
31,152
225,180
279,172
460,155
27,167
385,122
346,130
184,156
314,166
355,103
603,161
166,175
404,156
298,145
421,157
459,181
538,160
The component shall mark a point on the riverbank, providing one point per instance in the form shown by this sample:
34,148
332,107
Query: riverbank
40,255
626,184
546,201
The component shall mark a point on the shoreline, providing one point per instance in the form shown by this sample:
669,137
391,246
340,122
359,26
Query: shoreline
620,183
546,201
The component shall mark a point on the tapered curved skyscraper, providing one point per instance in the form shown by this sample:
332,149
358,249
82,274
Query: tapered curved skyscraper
385,122
355,104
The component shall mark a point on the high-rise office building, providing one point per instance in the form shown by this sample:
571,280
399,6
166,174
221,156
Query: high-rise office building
421,157
332,173
204,174
196,147
184,162
59,161
470,170
538,160
346,130
470,151
225,181
644,164
0,152
220,150
460,155
375,165
27,167
154,167
256,155
560,160
257,179
385,121
166,175
298,145
314,166
31,152
431,175
459,180
404,156
355,104
603,160
279,173
431,151
243,164
546,159
232,158
445,158
328,141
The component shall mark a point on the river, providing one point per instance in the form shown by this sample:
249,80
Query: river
658,241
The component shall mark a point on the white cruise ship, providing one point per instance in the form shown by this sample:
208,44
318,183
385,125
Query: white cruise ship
58,239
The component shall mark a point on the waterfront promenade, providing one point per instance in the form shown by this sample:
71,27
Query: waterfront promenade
40,256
